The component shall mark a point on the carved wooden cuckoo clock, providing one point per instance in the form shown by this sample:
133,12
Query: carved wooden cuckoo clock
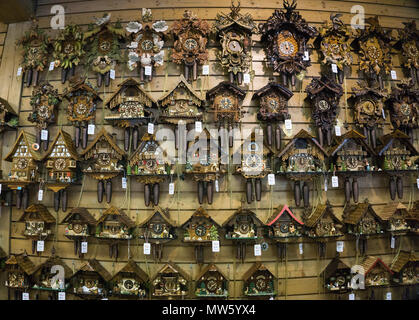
170,282
146,48
409,45
396,154
200,229
103,50
395,219
405,267
157,229
284,37
258,282
9,119
36,46
61,164
81,110
130,282
104,159
273,107
190,46
300,160
114,226
337,276
334,41
131,107
351,157
376,272
79,226
324,95
68,50
44,101
235,33
19,269
211,283
373,46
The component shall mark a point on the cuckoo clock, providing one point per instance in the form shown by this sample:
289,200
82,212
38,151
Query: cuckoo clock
103,47
258,282
200,229
337,276
376,272
243,227
36,46
211,283
255,164
368,108
409,45
157,229
130,282
68,50
234,31
81,110
300,160
44,101
24,156
18,269
146,48
283,225
170,282
273,107
114,226
149,165
79,226
396,154
104,159
373,46
38,223
322,225
362,221
225,101
405,267
90,281
324,95
131,107
9,119
181,105
334,41
404,107
351,157
61,164
284,37
394,216
413,218
190,43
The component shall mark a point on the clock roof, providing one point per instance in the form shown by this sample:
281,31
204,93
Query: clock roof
29,140
266,149
235,18
324,83
170,267
364,89
109,139
230,220
210,268
354,214
285,209
7,106
133,268
334,265
390,209
80,84
164,101
120,215
388,139
213,141
68,142
41,210
226,86
147,137
351,135
162,213
272,86
52,261
372,29
103,25
190,21
302,134
92,265
371,262
84,214
402,258
257,266
317,214
200,212
22,260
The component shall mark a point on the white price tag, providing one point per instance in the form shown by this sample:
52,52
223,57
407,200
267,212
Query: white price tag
352,296
335,182
150,128
258,250
339,246
205,69
40,195
246,78
25,296
147,248
325,184
392,242
384,113
147,70
40,246
133,45
334,68
171,188
51,66
417,182
215,246
112,74
124,183
388,296
198,126
288,124
0,188
300,247
393,74
84,247
306,56
91,129
271,179
44,135
217,188
337,131
61,295
19,71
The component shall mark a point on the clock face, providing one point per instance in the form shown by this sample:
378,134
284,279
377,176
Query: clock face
405,109
368,107
340,280
352,162
396,161
60,164
147,45
157,228
323,105
287,44
253,161
373,52
244,227
273,105
151,165
22,163
234,46
190,44
68,48
261,284
81,108
200,231
212,284
284,227
225,103
128,284
43,112
77,228
412,50
104,159
105,45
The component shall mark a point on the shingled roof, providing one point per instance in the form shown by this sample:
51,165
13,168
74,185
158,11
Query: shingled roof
29,139
402,258
68,141
387,141
132,267
170,267
302,134
121,216
257,221
41,210
92,265
333,266
255,267
198,99
200,212
351,135
370,262
317,214
163,213
284,209
210,267
109,139
149,101
390,209
23,261
83,212
355,213
273,86
52,261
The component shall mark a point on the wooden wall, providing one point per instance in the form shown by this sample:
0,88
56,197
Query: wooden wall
298,277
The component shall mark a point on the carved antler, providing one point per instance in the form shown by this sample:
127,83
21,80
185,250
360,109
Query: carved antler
337,23
290,7
235,9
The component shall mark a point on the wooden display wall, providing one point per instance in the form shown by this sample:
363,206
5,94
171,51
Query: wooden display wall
298,276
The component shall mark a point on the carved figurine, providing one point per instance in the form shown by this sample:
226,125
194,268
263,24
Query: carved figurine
409,45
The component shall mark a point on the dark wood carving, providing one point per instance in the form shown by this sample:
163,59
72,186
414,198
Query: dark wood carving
409,45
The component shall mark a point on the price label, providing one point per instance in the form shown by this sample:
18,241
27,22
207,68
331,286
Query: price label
205,69
217,188
171,188
339,246
337,131
334,68
40,195
392,242
0,188
271,179
335,182
19,71
417,182
246,78
40,246
388,296
198,126
104,299
25,296
147,248
84,247
124,183
384,113
133,45
306,56
258,250
393,74
112,74
300,247
44,135
91,129
51,66
288,124
150,128
61,295
351,296
148,70
325,184
215,246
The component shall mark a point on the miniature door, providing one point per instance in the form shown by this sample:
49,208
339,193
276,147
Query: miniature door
131,107
19,269
44,101
409,45
258,282
190,43
273,107
211,283
149,165
234,31
130,282
81,110
405,267
337,276
351,157
104,159
68,50
334,42
324,95
376,272
9,119
61,164
145,51
300,160
284,37
170,282
103,47
255,165
396,154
